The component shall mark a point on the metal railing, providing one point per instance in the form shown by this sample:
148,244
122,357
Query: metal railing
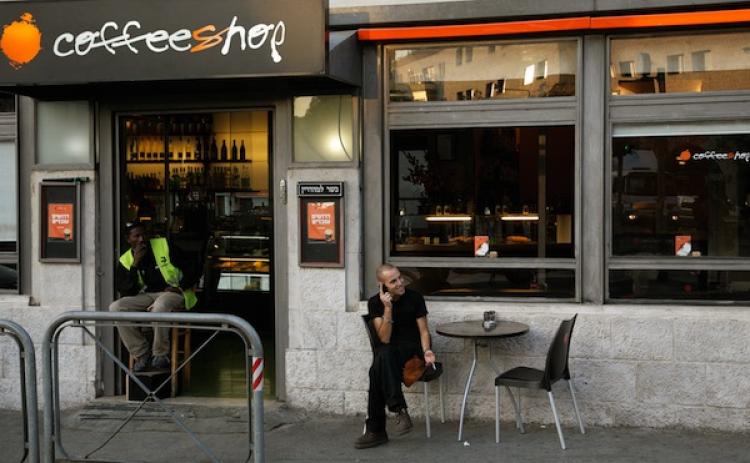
27,365
216,323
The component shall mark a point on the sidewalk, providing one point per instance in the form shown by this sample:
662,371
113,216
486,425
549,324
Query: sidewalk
294,436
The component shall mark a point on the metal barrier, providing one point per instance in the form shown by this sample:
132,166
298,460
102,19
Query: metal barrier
28,388
195,321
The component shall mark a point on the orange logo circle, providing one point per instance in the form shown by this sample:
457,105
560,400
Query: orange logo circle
21,41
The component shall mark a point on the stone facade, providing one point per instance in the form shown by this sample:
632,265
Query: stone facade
653,366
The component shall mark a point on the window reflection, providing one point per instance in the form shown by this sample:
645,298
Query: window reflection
685,63
679,284
480,72
485,192
681,195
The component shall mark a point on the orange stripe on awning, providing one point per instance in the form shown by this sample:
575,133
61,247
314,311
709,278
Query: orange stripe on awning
473,30
697,18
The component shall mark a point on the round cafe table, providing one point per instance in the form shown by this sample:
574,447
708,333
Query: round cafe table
474,330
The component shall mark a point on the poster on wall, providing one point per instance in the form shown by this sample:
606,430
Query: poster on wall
59,222
321,225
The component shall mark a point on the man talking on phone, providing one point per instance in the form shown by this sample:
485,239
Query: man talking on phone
150,282
399,317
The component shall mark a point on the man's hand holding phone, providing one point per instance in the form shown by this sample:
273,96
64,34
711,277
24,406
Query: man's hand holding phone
139,252
385,296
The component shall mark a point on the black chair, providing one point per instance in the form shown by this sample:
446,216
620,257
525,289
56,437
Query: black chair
555,369
375,342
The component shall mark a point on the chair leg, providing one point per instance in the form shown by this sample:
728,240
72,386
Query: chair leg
442,400
174,347
575,407
557,419
497,414
427,408
517,407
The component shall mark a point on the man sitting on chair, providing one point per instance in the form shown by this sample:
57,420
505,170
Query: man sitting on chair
399,317
149,282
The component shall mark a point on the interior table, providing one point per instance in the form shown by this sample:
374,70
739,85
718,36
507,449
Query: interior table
474,330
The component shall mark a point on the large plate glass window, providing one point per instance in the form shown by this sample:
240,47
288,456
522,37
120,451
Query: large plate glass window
680,63
681,192
489,195
486,71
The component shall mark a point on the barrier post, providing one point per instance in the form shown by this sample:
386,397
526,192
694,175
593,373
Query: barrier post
27,359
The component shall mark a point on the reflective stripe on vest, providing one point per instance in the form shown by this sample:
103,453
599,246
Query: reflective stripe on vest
171,274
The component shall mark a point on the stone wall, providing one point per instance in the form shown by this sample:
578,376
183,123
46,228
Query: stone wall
657,366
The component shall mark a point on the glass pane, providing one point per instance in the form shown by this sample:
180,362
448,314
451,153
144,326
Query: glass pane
485,192
483,71
63,132
686,63
8,190
323,128
8,277
681,196
679,284
487,282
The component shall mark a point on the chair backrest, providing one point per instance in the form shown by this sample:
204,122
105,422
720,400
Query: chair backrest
371,334
557,356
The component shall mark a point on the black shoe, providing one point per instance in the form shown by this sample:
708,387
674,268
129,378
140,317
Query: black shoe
403,423
371,439
160,362
141,363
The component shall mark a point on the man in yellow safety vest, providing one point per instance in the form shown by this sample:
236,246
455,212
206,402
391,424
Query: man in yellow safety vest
149,281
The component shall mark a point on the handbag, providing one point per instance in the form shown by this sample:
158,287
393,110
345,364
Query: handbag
414,369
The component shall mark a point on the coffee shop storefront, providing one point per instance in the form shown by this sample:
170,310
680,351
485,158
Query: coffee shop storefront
589,162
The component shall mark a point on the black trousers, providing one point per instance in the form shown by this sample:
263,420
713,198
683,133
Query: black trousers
385,382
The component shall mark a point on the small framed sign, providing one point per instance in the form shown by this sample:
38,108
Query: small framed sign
60,221
321,224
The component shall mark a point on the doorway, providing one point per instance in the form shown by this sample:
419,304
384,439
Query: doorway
202,180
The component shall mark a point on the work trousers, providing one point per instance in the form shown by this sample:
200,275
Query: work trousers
132,336
386,374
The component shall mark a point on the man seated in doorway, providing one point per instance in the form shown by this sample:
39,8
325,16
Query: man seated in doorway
148,281
399,317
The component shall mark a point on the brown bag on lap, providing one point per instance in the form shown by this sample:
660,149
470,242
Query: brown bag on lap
413,370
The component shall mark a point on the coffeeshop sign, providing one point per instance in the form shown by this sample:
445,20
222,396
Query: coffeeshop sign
75,42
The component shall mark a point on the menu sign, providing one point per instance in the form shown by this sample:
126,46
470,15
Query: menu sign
60,221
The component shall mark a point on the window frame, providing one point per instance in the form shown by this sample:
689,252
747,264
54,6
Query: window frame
665,108
9,133
509,112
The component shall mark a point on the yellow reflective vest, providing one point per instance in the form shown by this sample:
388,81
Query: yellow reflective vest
172,275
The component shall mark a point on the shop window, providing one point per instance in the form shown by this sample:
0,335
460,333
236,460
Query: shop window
489,195
680,193
63,132
713,62
324,128
8,217
529,70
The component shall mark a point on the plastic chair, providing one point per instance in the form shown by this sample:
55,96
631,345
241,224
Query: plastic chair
375,342
556,368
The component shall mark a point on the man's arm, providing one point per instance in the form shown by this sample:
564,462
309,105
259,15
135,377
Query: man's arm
424,337
127,281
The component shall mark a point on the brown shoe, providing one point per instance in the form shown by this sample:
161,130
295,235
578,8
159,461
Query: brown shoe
370,439
403,423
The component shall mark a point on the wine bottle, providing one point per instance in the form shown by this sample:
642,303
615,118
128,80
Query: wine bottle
242,150
234,150
214,149
223,150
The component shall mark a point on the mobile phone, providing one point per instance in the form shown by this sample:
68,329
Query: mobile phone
384,287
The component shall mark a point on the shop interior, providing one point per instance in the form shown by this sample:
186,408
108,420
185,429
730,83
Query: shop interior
202,181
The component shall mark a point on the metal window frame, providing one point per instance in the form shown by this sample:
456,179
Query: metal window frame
9,119
483,113
716,106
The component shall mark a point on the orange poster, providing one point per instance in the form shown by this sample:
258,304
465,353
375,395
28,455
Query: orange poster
682,245
60,221
321,222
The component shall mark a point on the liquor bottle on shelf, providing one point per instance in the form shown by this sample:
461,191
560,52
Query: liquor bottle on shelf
242,150
234,150
198,149
223,150
214,149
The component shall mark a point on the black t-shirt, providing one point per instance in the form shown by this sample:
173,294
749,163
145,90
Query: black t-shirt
406,310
